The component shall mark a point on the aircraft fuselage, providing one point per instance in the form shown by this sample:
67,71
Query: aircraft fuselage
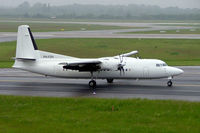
134,69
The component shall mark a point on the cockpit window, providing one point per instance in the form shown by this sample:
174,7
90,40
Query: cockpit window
164,64
161,65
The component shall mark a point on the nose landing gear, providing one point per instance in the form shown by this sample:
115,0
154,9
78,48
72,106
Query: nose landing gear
169,83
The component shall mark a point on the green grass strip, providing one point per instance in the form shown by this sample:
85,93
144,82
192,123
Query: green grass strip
46,27
173,51
58,115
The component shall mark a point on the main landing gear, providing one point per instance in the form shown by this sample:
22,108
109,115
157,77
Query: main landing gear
110,80
92,84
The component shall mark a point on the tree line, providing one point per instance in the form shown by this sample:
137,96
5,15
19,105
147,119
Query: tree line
78,11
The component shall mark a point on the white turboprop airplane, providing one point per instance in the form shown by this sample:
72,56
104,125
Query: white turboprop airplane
29,58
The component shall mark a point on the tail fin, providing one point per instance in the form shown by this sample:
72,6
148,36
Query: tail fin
26,46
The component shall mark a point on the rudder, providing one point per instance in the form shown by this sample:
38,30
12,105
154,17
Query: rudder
26,46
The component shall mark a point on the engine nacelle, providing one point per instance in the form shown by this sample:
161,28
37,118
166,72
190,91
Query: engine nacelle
108,64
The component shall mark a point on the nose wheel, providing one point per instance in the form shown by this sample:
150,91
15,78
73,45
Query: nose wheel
169,83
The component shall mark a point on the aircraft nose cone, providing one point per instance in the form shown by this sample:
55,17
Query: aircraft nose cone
181,71
176,71
173,71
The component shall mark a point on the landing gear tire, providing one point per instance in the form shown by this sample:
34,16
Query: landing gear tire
109,80
169,83
92,84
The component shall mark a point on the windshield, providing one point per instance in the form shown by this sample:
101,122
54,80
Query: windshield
161,65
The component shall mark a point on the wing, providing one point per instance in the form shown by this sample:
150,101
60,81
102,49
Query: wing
92,64
82,65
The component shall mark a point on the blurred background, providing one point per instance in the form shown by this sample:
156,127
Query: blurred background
102,9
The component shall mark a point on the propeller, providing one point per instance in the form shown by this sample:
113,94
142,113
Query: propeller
121,61
121,64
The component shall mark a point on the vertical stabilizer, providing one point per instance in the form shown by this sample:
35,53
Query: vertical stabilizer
26,46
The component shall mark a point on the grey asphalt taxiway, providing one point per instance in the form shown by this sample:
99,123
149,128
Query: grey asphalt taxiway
18,82
115,33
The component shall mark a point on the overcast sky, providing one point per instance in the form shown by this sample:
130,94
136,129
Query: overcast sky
162,3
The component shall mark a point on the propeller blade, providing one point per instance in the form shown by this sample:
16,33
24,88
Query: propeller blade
121,65
123,71
120,59
130,53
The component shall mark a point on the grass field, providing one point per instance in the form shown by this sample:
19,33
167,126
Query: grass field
183,31
173,51
58,115
45,27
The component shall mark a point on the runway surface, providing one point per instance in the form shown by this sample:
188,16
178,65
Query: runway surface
17,82
115,33
5,37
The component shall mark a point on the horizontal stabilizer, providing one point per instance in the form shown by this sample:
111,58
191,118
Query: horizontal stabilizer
26,59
